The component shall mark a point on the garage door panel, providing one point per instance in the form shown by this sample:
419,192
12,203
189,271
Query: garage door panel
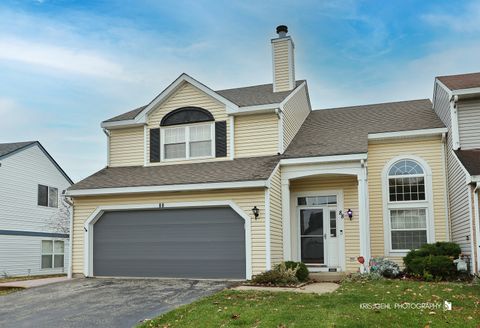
186,243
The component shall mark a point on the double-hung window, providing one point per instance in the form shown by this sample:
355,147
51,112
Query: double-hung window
53,254
187,142
407,205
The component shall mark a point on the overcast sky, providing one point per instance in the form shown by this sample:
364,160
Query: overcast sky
67,65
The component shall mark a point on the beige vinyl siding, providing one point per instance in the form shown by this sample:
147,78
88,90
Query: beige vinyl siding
126,147
187,95
256,135
349,186
458,193
245,199
276,230
469,123
295,111
281,64
379,154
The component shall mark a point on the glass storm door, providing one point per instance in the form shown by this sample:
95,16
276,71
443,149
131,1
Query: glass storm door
312,235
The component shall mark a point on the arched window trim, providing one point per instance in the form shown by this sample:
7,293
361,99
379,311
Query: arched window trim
201,115
408,174
388,205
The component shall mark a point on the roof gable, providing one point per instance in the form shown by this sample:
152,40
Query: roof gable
234,99
186,95
140,115
9,149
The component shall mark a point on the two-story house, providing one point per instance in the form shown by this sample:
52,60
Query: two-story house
456,100
33,221
204,183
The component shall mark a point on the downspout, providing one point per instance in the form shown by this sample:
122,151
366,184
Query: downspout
471,239
477,223
107,133
279,113
70,249
447,195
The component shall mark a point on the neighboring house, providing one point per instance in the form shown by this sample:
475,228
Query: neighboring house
31,239
456,100
227,183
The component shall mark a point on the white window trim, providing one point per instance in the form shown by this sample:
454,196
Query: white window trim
187,142
387,204
52,254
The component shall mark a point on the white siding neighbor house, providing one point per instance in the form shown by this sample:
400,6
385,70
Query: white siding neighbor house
33,240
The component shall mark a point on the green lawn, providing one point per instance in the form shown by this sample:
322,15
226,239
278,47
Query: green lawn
8,290
339,309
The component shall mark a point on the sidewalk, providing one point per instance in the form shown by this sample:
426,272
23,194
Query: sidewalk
33,282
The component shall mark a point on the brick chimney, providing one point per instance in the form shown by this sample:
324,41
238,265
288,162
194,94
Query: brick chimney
283,61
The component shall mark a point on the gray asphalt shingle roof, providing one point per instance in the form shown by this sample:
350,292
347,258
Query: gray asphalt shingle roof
461,81
256,95
241,169
345,130
247,96
325,132
470,159
7,148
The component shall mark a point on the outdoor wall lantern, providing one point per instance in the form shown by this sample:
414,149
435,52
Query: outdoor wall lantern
350,214
255,212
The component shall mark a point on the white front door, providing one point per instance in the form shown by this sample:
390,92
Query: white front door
318,231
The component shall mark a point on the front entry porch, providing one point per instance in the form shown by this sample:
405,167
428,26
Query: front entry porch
317,228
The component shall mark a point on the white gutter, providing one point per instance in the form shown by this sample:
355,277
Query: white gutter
70,242
121,124
461,92
407,134
182,187
324,159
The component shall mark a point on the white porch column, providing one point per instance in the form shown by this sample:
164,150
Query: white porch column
287,252
364,225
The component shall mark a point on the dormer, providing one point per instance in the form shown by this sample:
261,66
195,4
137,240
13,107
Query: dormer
456,100
189,122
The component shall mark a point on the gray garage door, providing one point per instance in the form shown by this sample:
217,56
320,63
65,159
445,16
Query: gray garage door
182,243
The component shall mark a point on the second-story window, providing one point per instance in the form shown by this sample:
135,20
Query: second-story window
47,196
187,142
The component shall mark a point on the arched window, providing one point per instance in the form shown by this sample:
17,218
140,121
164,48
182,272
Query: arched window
407,205
406,181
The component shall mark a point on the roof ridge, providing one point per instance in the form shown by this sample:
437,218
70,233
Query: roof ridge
372,104
19,142
254,86
452,75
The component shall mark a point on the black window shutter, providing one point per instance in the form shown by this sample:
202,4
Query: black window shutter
221,139
154,145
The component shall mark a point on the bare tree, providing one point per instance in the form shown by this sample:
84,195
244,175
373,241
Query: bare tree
60,221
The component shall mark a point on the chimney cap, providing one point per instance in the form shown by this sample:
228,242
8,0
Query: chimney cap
282,28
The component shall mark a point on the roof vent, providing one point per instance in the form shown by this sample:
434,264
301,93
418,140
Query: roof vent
282,31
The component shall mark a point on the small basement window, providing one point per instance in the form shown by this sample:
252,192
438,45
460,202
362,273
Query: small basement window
47,196
53,254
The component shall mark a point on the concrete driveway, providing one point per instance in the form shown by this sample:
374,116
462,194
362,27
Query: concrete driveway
100,302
